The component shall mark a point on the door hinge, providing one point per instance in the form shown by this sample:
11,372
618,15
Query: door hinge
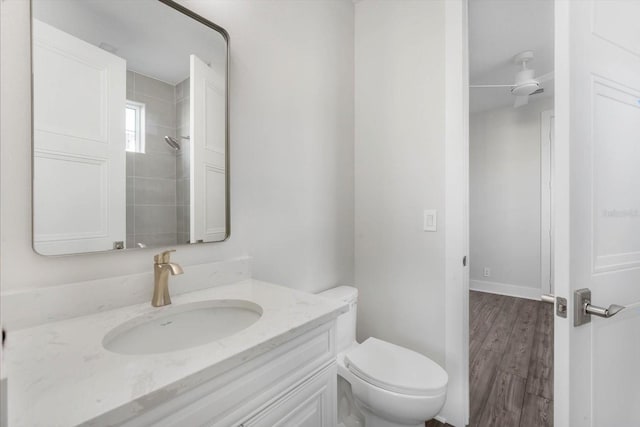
464,261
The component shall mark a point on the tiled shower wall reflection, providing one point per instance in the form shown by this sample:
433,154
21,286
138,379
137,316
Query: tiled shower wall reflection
183,161
151,176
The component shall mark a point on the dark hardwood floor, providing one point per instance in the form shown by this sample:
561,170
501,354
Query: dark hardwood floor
511,361
436,423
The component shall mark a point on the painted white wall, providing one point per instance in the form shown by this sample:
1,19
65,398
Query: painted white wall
399,172
291,150
504,185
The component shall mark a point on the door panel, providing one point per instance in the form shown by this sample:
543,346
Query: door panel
67,70
599,71
616,156
90,198
78,144
208,137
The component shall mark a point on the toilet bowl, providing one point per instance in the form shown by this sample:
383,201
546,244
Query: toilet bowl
390,386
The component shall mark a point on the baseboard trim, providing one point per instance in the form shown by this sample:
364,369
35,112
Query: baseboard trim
442,419
505,289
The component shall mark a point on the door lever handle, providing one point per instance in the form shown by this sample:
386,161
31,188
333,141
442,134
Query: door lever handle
583,309
611,311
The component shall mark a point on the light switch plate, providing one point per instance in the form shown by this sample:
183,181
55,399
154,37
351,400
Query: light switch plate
430,220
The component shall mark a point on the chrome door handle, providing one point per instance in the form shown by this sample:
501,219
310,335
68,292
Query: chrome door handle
583,309
603,312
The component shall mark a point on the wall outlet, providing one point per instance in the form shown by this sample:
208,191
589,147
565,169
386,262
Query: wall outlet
486,272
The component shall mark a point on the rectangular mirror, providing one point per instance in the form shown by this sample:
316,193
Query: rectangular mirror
130,126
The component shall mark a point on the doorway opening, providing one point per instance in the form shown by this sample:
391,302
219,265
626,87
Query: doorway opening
511,102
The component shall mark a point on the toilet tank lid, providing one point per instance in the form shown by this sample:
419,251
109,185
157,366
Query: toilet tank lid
347,294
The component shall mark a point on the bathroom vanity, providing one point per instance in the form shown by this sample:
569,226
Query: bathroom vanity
130,150
280,370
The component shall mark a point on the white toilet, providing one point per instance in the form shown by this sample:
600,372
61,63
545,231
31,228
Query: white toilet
390,386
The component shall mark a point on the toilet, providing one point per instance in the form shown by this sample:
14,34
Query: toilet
382,384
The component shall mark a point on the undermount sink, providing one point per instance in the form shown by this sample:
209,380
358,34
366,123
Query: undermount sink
182,326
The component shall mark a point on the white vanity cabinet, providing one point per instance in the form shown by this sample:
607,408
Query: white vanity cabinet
291,384
280,371
312,404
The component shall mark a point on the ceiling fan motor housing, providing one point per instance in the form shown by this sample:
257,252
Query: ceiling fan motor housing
525,83
526,88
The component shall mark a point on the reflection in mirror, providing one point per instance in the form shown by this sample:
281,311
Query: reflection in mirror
130,144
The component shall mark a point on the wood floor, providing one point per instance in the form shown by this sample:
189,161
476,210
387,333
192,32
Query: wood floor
511,361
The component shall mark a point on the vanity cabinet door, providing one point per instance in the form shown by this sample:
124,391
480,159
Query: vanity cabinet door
311,404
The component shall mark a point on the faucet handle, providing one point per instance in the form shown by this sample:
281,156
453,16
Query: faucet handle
164,257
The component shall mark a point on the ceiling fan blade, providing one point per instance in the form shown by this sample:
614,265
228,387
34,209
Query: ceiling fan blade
545,77
490,85
521,100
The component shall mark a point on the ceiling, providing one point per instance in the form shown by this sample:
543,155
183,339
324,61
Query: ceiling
498,30
154,39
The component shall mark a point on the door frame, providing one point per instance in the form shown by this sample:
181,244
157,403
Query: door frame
456,410
561,209
546,203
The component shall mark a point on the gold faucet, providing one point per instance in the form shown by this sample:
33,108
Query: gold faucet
162,266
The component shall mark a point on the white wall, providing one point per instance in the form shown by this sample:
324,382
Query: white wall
399,172
291,150
504,172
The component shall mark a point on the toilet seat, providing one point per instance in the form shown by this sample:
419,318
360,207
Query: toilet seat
396,369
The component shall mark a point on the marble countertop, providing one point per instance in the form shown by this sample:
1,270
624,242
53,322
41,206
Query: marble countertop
59,374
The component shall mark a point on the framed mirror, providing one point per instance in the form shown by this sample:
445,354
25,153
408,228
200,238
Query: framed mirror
130,126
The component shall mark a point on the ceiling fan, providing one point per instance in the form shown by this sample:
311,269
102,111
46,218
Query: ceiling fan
525,83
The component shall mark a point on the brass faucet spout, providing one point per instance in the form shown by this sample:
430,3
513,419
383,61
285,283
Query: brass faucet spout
175,269
162,268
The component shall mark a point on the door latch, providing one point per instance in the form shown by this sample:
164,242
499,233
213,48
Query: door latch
561,304
561,307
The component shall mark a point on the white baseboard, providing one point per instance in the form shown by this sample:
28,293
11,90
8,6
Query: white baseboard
505,289
443,420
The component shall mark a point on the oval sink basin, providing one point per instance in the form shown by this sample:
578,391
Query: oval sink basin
182,326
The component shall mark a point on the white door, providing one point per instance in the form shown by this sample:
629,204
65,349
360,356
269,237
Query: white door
597,369
208,144
78,137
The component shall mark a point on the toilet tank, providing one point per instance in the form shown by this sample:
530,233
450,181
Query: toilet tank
346,323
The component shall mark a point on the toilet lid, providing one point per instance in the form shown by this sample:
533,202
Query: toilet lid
396,368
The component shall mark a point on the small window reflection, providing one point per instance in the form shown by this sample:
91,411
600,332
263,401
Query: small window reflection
134,127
